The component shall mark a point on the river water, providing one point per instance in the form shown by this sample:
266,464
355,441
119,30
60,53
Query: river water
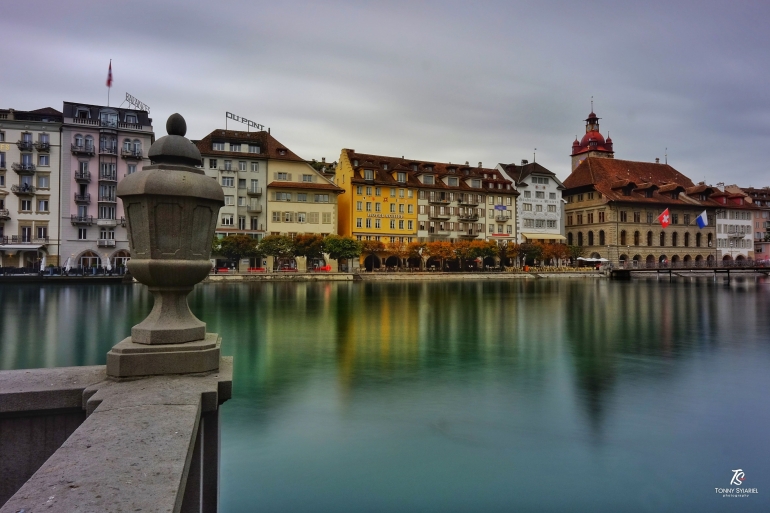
546,395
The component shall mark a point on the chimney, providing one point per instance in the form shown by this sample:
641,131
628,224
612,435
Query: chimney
479,164
657,160
323,159
524,162
466,163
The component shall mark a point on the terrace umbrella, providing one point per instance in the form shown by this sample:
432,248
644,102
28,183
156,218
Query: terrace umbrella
42,262
68,264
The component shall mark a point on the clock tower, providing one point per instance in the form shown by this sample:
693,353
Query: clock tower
593,143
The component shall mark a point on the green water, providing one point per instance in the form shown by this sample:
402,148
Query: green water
583,395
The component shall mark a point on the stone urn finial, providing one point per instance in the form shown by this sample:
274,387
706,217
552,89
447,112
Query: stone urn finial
171,210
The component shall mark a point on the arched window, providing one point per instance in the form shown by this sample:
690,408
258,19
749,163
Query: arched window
622,237
686,240
674,239
697,240
590,238
601,238
78,140
137,146
662,239
126,145
710,239
89,141
580,238
649,238
569,239
637,237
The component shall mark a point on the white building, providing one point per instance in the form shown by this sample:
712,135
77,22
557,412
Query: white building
539,208
29,187
735,225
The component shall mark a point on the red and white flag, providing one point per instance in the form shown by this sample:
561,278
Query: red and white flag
664,218
109,75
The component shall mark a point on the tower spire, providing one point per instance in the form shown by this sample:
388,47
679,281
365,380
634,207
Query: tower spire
592,103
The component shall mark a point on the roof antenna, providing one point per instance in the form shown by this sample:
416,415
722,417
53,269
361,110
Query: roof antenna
592,103
666,155
534,154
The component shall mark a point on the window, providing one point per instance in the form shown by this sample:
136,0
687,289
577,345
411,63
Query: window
359,222
675,219
301,217
253,148
43,160
401,177
551,224
43,181
302,197
539,194
377,207
539,208
452,181
227,220
42,205
410,209
241,222
276,217
288,217
218,146
368,174
212,163
392,207
527,194
282,176
229,200
686,219
529,223
569,220
26,205
409,193
686,240
368,223
649,217
662,238
622,237
235,147
601,216
228,181
392,224
410,225
282,196
228,165
590,216
527,207
377,223
428,179
637,217
552,195
359,190
359,205
82,233
307,178
401,208
241,183
241,165
2,180
368,206
321,198
552,208
131,169
591,237
580,198
241,202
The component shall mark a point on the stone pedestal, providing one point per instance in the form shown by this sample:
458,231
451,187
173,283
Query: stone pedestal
128,359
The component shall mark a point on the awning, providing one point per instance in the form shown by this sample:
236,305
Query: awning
544,236
20,247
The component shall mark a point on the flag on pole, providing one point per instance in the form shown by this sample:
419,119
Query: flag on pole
664,218
109,75
702,220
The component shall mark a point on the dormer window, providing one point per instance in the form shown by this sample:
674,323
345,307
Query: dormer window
648,193
401,177
414,167
385,167
235,147
131,118
452,181
82,113
466,172
355,162
476,184
253,148
368,174
428,179
281,151
675,195
218,146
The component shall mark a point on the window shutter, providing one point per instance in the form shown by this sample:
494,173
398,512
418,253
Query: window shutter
275,176
289,176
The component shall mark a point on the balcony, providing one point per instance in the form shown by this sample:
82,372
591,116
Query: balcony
83,198
468,202
25,168
108,150
468,217
106,222
502,219
25,145
439,201
108,177
437,215
254,191
131,154
106,198
5,213
15,239
24,189
82,220
469,234
438,233
44,147
105,243
254,209
87,150
123,222
82,177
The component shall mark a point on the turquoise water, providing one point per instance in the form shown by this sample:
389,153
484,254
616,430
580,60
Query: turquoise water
583,395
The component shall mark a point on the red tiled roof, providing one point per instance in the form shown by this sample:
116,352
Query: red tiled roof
269,146
438,169
307,185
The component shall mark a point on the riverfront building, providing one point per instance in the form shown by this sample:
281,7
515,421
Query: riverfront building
392,199
540,207
30,145
103,145
735,223
761,199
268,188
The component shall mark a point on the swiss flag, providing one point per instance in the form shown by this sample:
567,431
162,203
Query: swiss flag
664,218
109,75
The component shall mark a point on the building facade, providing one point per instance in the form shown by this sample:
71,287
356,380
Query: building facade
102,146
30,146
761,199
540,206
734,223
391,199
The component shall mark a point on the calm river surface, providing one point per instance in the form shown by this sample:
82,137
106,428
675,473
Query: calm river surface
583,395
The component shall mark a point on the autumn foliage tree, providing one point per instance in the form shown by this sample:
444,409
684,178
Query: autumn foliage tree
442,250
309,245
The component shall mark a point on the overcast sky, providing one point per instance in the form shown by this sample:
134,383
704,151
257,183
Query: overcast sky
445,81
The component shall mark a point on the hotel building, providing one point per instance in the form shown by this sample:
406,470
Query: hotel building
29,187
102,146
393,199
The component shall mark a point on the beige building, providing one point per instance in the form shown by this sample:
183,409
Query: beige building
30,146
